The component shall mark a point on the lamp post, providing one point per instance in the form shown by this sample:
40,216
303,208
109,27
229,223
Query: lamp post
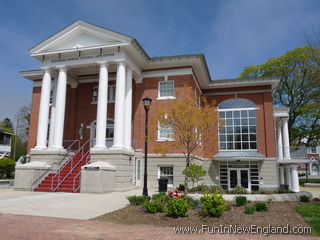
146,103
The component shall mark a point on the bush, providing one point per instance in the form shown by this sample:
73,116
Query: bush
7,167
213,205
138,200
282,189
161,196
261,207
241,200
180,187
154,206
177,207
248,209
269,200
304,198
316,199
213,189
264,191
239,190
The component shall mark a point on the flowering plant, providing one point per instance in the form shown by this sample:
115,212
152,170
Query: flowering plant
175,194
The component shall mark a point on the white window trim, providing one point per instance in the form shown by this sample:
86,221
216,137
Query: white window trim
166,97
111,101
158,175
160,139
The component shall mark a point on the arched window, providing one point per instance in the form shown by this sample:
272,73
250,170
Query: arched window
237,130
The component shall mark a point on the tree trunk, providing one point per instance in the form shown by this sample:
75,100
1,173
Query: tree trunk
186,175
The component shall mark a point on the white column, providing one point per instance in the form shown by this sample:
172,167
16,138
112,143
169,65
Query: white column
128,110
288,176
60,108
294,178
279,142
281,175
102,107
52,114
286,144
119,107
44,110
310,172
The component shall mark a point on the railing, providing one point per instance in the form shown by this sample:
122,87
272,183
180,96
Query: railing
72,167
73,143
75,185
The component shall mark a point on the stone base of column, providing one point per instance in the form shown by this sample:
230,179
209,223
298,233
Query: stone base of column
49,156
122,160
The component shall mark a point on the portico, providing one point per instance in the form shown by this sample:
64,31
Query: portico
288,173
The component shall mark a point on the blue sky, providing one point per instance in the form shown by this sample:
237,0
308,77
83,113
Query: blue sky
231,33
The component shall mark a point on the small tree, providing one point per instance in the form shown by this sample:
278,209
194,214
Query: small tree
192,121
196,173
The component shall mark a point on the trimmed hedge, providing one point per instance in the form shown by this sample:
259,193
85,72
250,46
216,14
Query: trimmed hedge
7,167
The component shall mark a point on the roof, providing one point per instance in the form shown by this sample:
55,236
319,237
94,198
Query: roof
243,82
239,154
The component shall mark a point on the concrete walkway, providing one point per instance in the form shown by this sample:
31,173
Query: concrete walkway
63,205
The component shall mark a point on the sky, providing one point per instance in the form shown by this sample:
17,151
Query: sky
231,33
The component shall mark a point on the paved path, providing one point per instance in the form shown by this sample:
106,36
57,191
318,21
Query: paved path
17,227
64,205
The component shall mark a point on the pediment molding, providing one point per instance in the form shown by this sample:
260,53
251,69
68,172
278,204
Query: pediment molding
80,35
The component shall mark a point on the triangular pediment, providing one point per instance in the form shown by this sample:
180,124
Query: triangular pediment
77,36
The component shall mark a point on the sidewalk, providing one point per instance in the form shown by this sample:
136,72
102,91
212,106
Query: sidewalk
17,227
63,205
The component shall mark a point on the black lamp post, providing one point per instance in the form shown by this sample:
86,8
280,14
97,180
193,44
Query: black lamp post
146,103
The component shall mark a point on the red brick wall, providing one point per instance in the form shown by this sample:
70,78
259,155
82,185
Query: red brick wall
79,109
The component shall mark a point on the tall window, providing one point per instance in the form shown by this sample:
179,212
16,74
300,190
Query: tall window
165,131
166,89
237,130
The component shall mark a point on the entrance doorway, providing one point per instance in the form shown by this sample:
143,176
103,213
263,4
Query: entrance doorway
239,177
137,171
109,133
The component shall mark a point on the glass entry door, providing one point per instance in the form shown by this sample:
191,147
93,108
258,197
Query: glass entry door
239,177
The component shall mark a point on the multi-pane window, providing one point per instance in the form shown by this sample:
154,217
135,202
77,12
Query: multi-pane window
165,131
4,139
237,129
110,129
167,172
111,93
166,89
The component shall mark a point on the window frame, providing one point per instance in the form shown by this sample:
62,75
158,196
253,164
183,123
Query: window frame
162,139
166,166
233,132
165,97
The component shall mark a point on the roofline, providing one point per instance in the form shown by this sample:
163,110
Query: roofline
242,82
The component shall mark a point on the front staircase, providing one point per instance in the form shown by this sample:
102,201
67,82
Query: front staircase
67,179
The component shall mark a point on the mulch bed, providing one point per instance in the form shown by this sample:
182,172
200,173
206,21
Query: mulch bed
278,214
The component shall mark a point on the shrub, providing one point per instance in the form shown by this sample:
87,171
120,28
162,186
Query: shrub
264,191
161,196
304,198
177,207
241,200
138,200
7,167
248,209
261,207
316,199
214,189
239,190
282,189
154,206
213,205
269,200
180,187
195,173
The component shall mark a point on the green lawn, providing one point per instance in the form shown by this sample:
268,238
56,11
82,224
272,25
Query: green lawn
303,181
311,213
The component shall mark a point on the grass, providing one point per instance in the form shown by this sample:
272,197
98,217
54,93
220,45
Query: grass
4,178
311,213
313,180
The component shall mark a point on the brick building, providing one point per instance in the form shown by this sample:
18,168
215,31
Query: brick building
87,119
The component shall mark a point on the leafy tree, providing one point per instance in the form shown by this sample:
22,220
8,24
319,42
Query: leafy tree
297,90
6,125
18,148
195,174
191,124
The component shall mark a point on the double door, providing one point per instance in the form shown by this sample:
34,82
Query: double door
239,177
